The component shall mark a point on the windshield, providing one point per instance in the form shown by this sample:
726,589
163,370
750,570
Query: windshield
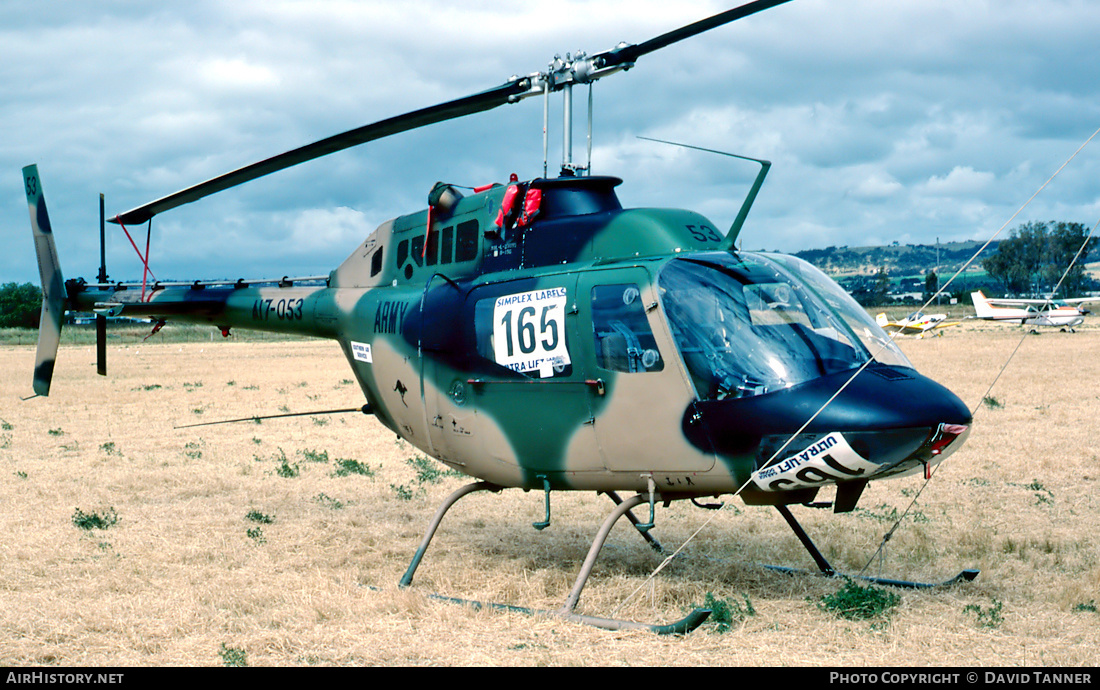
878,343
745,326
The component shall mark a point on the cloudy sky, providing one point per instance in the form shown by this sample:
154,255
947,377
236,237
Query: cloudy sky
899,120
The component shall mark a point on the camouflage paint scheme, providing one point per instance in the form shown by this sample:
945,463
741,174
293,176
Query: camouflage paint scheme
424,316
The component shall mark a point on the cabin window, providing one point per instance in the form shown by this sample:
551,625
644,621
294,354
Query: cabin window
446,245
624,341
466,241
376,262
417,248
402,252
431,254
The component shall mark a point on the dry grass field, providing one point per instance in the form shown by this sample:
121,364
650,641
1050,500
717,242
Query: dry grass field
127,541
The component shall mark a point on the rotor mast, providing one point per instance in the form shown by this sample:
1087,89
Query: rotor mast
562,74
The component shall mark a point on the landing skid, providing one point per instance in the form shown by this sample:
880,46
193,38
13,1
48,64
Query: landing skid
567,611
826,569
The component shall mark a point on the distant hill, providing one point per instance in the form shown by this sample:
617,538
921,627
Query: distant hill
899,259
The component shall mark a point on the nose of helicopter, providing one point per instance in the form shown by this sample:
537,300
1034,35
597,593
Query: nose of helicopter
887,421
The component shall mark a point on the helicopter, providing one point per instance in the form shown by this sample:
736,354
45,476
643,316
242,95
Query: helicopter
536,335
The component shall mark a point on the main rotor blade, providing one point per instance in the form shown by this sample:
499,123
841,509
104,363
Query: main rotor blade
479,102
630,53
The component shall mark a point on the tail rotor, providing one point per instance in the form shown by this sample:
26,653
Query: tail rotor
53,285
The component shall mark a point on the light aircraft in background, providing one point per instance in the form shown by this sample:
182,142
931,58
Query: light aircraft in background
918,324
1063,313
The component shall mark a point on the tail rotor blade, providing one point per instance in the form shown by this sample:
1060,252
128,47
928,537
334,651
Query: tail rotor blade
53,285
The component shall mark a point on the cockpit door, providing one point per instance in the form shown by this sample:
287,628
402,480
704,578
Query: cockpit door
523,391
645,397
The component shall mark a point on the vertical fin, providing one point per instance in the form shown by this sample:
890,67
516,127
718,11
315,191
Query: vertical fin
981,305
53,285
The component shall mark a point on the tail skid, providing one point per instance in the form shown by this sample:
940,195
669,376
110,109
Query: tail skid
53,285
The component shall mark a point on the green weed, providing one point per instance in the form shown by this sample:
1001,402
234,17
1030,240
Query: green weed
1042,494
5,425
110,448
887,513
987,617
991,402
429,471
314,455
856,602
1089,607
231,656
257,516
193,450
257,535
403,492
286,470
345,467
724,613
94,520
56,432
329,501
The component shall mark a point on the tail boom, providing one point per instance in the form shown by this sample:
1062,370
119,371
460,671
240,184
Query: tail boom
301,310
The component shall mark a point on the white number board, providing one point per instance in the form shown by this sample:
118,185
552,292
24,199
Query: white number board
529,331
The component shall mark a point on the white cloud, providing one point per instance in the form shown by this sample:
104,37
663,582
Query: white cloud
233,74
873,114
962,180
877,185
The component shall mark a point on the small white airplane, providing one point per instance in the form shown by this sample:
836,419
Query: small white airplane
1063,313
918,324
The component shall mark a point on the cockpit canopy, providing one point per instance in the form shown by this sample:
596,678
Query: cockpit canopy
748,324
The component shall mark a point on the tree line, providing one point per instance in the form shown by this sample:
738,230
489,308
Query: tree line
20,305
1035,257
